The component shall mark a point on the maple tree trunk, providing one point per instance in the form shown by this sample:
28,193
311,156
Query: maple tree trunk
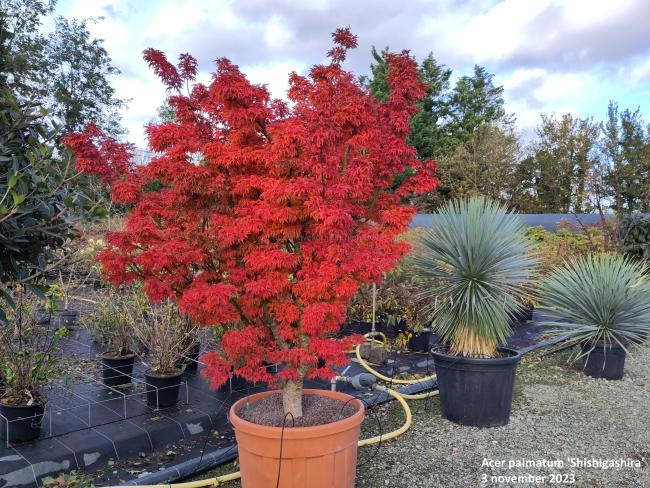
292,399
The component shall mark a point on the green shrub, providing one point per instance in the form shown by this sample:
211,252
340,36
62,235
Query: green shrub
34,194
634,232
554,248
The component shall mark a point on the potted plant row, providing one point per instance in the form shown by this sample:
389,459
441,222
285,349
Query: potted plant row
475,268
28,364
601,303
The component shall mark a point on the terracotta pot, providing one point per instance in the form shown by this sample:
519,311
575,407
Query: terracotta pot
322,456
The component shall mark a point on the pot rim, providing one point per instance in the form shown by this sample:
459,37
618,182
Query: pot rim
272,432
105,355
13,405
515,357
165,376
604,345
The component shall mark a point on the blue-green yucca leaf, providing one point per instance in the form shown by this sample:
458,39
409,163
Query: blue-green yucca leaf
475,266
601,298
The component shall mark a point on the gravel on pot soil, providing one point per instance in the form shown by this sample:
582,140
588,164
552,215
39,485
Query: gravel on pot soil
316,410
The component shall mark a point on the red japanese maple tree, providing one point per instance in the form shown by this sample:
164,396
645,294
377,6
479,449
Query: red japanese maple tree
265,216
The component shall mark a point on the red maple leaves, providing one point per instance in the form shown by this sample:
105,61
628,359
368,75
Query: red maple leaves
264,216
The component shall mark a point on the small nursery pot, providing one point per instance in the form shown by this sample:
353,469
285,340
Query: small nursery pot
322,456
604,361
420,342
68,318
191,358
20,423
163,390
476,391
117,370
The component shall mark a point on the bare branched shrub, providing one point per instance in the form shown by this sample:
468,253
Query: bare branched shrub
166,334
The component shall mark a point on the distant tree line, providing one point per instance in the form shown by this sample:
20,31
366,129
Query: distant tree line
66,71
571,164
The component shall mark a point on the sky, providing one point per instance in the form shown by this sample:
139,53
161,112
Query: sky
550,56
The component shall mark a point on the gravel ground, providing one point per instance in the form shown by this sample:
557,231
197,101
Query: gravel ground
558,413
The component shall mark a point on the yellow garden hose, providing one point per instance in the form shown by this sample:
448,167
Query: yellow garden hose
369,336
405,426
219,480
369,368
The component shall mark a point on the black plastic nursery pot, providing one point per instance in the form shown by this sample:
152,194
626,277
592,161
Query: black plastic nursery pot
163,390
420,342
68,318
20,423
476,391
117,371
604,361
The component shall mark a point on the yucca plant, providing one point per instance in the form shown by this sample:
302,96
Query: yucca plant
603,299
475,265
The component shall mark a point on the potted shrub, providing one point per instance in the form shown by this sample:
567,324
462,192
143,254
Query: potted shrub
282,212
603,303
67,316
474,265
111,325
28,365
162,329
398,312
399,307
189,360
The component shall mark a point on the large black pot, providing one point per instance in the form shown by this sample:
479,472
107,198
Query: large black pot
23,422
190,362
476,391
68,318
421,341
604,361
163,391
117,370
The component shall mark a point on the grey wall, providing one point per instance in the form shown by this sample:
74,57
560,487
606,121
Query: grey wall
548,221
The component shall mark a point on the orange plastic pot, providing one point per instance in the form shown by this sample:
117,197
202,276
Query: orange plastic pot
322,456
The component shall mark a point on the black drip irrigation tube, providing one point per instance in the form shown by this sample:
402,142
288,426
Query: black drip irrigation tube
188,468
211,460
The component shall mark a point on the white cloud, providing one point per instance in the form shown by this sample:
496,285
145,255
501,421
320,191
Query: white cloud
550,55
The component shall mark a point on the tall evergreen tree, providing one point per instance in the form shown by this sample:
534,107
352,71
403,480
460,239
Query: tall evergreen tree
473,102
447,118
428,132
626,145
